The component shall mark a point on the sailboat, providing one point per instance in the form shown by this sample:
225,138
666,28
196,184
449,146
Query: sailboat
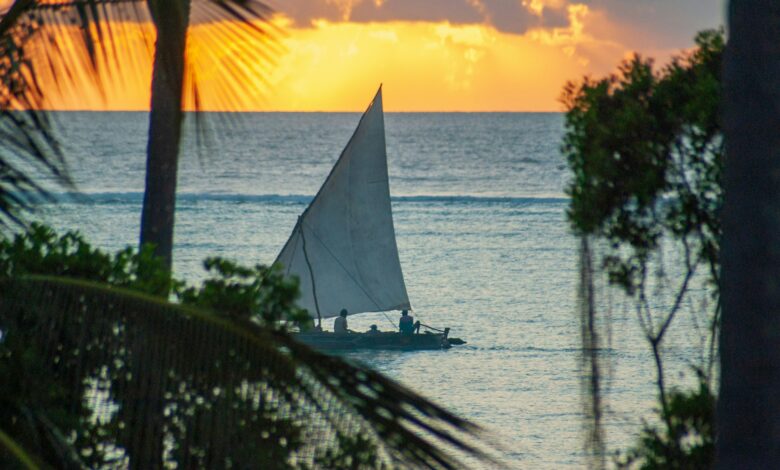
343,247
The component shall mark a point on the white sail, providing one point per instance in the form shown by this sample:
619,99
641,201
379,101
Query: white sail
343,247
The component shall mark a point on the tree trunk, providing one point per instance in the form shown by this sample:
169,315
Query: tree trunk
749,401
171,18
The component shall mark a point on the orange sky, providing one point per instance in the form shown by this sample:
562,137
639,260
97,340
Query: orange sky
334,60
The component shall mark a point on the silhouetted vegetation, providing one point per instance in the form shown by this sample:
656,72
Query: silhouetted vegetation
645,148
691,442
95,372
40,250
260,293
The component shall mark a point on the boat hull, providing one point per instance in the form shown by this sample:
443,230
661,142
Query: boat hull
327,341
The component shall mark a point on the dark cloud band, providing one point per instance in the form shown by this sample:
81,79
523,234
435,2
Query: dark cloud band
505,15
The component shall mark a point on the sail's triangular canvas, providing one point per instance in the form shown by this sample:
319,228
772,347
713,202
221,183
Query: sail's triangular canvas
343,247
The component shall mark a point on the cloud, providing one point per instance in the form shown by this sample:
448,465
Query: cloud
593,34
423,66
652,25
511,16
440,54
660,24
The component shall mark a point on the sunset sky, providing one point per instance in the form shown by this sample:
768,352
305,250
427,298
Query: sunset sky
434,55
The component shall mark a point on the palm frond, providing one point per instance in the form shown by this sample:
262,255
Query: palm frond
163,382
79,52
17,454
29,147
85,44
232,48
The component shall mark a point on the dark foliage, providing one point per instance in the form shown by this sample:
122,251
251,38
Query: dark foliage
261,293
646,154
95,375
645,149
40,250
688,445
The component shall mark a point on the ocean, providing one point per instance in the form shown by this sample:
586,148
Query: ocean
479,208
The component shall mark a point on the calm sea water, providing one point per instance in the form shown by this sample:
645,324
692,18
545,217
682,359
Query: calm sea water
480,219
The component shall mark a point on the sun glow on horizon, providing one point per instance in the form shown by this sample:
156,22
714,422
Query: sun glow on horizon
424,67
336,66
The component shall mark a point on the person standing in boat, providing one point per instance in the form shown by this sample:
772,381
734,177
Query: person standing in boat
340,324
407,324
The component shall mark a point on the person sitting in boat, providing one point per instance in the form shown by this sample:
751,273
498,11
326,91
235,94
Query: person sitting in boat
407,324
340,325
373,331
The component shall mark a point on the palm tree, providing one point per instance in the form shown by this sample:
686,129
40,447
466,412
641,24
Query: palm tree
749,400
97,52
171,19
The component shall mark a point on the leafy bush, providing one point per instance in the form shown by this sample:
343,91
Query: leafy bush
688,444
40,250
259,293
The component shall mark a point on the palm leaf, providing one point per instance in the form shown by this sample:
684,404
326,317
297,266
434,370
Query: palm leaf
163,382
17,454
78,44
231,48
28,146
68,47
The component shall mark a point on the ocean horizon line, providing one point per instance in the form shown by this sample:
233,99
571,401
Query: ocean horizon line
137,197
142,111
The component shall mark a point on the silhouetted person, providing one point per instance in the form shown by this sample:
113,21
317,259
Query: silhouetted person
340,324
407,325
373,330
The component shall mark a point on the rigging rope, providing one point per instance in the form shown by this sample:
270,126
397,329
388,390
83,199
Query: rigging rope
335,258
388,319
